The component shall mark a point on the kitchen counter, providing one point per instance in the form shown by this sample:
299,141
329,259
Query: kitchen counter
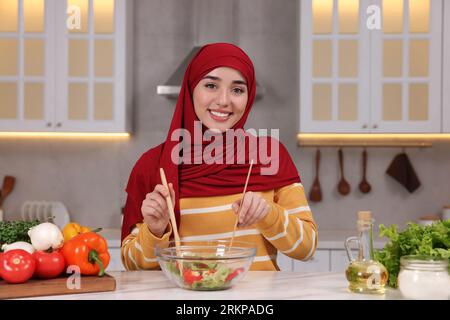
258,285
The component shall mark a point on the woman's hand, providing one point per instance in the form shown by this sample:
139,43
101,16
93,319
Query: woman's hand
254,208
155,211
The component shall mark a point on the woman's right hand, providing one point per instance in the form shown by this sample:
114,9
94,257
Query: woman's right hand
155,211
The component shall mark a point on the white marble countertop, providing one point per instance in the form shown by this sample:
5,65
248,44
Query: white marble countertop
257,285
328,239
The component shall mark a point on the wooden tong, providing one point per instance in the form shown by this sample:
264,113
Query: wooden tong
171,211
243,193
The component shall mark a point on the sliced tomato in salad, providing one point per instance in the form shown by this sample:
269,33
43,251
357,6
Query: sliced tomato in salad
191,276
234,274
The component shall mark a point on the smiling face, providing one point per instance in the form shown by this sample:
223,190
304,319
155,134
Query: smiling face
220,98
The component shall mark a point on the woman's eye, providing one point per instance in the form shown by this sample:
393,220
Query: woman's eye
238,90
210,85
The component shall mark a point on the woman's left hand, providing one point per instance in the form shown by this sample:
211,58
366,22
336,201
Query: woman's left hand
254,208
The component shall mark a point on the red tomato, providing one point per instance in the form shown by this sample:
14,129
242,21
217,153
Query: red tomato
16,266
49,265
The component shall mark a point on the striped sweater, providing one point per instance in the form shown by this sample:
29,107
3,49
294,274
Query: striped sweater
289,227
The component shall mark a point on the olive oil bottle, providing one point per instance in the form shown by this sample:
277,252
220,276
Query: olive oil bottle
364,274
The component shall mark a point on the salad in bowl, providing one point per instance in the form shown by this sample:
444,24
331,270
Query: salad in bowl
206,265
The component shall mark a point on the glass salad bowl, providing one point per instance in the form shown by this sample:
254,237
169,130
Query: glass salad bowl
205,265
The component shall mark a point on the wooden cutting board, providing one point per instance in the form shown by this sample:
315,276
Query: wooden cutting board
57,286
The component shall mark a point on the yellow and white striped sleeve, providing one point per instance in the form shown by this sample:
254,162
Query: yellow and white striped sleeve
137,251
289,225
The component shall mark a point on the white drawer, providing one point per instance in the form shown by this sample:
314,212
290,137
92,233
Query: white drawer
320,262
284,262
115,263
339,260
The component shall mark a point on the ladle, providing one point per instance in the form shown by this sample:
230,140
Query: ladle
343,186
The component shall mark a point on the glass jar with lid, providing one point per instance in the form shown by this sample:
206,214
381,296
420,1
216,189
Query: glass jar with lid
424,277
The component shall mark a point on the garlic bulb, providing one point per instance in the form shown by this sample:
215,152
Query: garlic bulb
18,245
45,236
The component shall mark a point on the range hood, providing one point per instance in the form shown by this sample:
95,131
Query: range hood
172,87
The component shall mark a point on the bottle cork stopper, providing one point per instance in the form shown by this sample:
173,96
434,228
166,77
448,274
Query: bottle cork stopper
364,215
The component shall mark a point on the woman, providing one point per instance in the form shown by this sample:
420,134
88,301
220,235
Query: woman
218,90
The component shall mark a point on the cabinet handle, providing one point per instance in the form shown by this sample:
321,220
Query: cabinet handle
364,126
375,126
49,124
59,124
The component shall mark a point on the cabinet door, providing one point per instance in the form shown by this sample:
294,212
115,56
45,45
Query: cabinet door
284,262
339,260
320,262
334,73
26,65
407,66
115,263
91,65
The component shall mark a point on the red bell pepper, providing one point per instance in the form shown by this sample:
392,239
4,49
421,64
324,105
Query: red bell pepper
190,276
89,251
233,275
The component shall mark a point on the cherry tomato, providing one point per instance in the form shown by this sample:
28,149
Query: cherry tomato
17,266
49,265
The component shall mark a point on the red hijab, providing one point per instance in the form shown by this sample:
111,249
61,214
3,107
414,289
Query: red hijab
198,180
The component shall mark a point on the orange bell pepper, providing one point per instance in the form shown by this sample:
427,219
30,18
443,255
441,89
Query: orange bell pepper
88,251
72,229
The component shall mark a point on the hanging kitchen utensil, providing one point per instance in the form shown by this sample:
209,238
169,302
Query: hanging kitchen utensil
364,186
402,171
343,186
7,188
315,193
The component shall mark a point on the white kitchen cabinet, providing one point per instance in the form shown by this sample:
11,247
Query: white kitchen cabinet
339,260
334,78
284,262
115,263
332,260
406,87
65,65
27,88
356,79
320,262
